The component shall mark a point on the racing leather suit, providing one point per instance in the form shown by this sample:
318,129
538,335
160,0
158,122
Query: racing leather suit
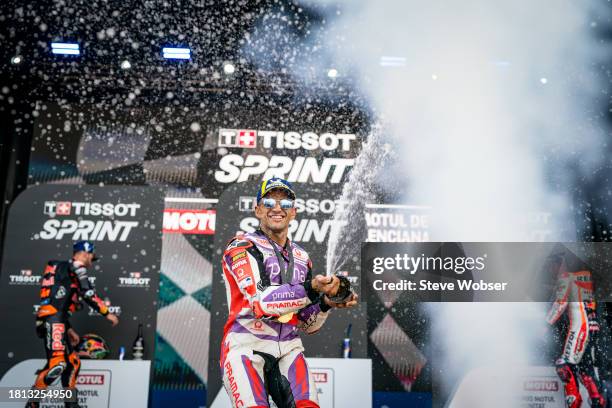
260,355
64,283
575,296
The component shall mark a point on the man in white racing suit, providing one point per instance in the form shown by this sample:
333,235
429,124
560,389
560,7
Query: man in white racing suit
575,296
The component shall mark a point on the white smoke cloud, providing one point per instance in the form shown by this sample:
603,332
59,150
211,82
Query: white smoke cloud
491,111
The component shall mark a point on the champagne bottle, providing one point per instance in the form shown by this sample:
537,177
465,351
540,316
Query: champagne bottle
138,347
346,343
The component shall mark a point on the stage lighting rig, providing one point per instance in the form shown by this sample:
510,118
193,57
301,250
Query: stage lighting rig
65,48
176,53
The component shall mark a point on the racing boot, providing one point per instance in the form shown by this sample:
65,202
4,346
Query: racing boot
597,400
566,373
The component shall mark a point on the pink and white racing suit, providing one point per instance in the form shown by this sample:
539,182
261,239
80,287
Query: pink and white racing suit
260,355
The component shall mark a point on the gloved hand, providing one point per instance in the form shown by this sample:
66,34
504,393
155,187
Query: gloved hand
344,292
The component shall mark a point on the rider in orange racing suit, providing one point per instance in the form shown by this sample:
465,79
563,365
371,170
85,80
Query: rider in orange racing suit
64,283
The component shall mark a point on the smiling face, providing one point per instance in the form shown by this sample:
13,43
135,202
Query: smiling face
275,220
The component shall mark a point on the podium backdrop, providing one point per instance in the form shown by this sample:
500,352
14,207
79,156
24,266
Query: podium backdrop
125,225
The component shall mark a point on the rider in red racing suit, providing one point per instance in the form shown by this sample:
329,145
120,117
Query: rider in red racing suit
574,296
64,284
271,294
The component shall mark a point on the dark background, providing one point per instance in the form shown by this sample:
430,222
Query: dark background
46,91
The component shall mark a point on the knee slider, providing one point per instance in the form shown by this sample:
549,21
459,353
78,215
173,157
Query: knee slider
55,372
565,370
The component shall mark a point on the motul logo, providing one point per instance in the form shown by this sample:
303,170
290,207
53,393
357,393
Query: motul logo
189,221
90,379
541,385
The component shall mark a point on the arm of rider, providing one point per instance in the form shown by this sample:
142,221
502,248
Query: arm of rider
88,292
311,318
560,300
111,317
327,285
73,337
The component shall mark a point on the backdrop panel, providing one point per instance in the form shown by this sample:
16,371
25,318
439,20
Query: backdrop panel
44,221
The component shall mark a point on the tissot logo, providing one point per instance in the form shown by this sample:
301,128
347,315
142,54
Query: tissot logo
112,309
237,138
273,139
135,280
87,229
246,204
53,208
302,167
57,208
25,277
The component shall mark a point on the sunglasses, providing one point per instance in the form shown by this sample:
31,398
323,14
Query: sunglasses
285,203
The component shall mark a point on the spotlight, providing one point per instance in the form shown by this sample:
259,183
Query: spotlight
543,81
65,48
332,73
176,53
125,64
229,68
16,60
